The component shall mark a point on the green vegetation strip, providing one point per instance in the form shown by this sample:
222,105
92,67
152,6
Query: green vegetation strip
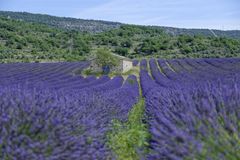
129,140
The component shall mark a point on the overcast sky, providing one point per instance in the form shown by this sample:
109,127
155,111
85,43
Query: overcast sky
217,14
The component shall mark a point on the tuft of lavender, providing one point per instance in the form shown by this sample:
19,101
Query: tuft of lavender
135,62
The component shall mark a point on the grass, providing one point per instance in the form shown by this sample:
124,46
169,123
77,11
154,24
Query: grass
129,140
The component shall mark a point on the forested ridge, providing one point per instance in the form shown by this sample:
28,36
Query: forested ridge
95,26
22,41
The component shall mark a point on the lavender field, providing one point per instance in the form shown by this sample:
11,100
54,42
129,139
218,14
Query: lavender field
193,108
191,111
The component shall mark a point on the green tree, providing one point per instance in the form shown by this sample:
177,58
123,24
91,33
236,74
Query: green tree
186,49
121,51
19,46
126,43
105,58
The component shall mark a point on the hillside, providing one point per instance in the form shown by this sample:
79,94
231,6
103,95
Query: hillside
28,42
205,32
62,22
100,26
141,41
22,41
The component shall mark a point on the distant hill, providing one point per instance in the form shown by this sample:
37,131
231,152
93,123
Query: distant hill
206,32
95,26
62,22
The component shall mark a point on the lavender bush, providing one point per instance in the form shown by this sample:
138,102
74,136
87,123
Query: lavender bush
197,117
51,114
135,62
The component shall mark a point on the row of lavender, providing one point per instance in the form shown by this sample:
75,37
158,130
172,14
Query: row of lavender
193,107
47,112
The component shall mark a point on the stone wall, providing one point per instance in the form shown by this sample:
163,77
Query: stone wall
126,65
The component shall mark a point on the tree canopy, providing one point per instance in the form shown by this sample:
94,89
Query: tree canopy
105,58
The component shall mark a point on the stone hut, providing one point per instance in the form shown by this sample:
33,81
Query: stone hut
125,64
